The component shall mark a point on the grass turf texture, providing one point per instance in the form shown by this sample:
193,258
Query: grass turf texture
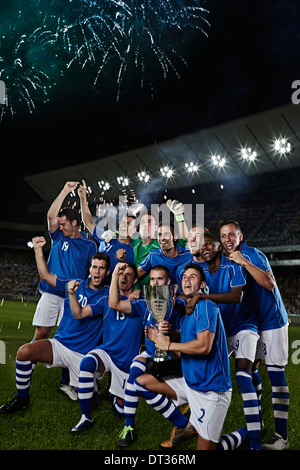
46,424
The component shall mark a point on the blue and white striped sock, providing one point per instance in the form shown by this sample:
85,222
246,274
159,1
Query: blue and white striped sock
258,388
251,409
233,440
280,398
131,396
119,409
88,366
23,377
163,405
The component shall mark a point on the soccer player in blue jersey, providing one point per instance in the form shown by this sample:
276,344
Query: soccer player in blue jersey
122,336
170,254
73,338
119,248
195,241
159,275
273,325
70,257
226,285
205,367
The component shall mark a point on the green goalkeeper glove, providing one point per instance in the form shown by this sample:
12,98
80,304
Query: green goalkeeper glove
177,208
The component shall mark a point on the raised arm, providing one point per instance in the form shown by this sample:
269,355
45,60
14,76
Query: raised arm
114,301
78,311
45,275
85,211
55,207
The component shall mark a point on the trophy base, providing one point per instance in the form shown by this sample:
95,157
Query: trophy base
160,357
164,368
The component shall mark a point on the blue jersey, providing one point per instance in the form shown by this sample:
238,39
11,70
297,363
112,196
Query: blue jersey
180,271
139,307
157,257
236,317
84,334
203,372
268,305
112,247
122,335
70,258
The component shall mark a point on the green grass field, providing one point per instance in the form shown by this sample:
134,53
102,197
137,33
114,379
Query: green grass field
46,424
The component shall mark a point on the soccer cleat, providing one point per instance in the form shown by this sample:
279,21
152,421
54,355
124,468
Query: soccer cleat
126,437
276,443
83,424
179,435
69,391
16,404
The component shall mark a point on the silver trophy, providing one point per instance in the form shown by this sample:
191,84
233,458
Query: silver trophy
157,299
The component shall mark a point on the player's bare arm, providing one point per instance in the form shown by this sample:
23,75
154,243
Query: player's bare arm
234,296
85,211
263,278
78,311
45,275
114,301
141,272
201,345
55,207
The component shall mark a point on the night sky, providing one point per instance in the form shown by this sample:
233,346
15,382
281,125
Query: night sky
245,65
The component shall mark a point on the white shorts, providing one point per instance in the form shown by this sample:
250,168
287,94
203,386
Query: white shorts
243,344
118,377
65,357
273,346
208,412
47,310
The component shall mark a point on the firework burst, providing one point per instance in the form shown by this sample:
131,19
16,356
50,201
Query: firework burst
24,80
135,33
140,40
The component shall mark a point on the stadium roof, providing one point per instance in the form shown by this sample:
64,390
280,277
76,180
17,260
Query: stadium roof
215,154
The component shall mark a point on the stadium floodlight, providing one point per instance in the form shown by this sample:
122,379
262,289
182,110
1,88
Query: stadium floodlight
104,185
166,172
191,167
123,181
218,161
249,154
143,176
282,146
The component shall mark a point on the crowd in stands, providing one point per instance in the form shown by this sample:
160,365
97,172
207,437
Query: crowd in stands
18,273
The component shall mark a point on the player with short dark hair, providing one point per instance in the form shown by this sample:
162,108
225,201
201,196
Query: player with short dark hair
170,254
118,248
159,276
205,365
121,342
195,241
70,257
73,338
273,325
226,285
